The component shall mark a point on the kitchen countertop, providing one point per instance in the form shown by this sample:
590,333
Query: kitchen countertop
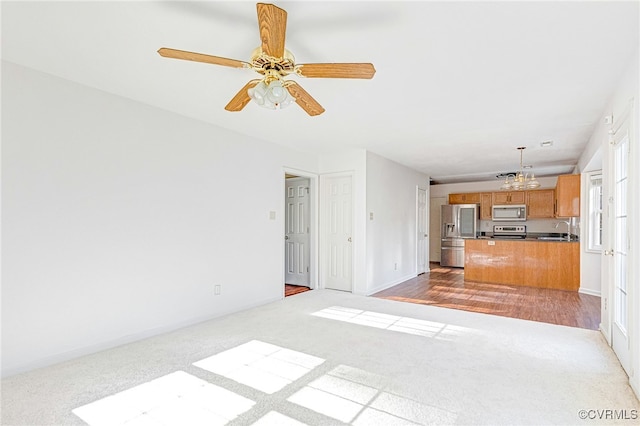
546,238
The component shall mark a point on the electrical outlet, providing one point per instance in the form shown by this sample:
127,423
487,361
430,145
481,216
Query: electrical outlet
216,289
395,266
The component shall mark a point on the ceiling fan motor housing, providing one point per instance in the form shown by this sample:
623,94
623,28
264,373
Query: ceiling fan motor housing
265,64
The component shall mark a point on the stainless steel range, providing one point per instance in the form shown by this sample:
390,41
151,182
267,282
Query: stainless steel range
509,232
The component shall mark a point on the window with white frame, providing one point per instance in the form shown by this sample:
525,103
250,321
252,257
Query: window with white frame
594,219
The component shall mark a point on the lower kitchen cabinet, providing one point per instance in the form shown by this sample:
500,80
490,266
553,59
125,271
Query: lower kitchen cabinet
544,264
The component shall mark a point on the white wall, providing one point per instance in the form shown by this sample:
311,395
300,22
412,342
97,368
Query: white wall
392,234
119,219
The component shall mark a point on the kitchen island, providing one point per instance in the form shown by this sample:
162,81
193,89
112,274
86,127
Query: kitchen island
526,262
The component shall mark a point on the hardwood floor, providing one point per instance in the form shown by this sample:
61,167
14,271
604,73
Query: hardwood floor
290,289
447,288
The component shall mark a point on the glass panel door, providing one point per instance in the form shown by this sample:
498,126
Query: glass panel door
621,151
617,256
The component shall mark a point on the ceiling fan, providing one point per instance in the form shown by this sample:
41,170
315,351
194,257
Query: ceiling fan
274,62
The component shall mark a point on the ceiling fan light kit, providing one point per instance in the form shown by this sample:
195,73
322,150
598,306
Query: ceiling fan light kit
273,95
274,62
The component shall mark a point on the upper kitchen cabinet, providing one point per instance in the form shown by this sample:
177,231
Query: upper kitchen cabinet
508,197
466,198
568,196
485,205
540,203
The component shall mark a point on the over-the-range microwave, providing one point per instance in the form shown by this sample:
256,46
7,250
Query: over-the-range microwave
510,212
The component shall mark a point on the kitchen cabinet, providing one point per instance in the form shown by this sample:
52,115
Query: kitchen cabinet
465,198
508,197
549,264
540,203
485,205
568,196
543,264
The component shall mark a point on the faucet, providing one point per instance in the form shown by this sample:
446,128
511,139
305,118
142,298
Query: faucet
568,228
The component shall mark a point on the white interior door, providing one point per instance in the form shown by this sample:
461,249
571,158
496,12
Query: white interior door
338,201
297,231
423,237
617,254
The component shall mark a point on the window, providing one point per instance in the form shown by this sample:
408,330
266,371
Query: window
594,219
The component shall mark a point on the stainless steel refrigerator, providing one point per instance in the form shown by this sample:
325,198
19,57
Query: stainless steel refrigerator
459,222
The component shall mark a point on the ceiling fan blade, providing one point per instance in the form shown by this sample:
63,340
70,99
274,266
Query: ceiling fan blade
354,70
241,99
199,57
273,26
304,99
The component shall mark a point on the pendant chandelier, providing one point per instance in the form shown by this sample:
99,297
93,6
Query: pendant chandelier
520,180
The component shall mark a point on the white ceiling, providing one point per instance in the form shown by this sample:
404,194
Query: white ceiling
459,85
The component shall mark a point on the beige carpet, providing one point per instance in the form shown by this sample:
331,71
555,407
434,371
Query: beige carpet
332,358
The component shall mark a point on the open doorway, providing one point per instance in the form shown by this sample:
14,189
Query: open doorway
299,233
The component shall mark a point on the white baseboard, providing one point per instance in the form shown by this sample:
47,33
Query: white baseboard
130,338
590,292
390,284
635,385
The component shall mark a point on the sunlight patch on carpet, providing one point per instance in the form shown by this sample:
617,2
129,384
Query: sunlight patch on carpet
177,398
262,366
355,396
436,330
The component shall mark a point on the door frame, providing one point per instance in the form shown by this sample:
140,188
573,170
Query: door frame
313,224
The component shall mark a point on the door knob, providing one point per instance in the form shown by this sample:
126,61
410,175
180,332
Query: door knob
349,239
286,237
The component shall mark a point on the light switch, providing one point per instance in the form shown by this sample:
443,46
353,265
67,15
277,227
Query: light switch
272,215
370,215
